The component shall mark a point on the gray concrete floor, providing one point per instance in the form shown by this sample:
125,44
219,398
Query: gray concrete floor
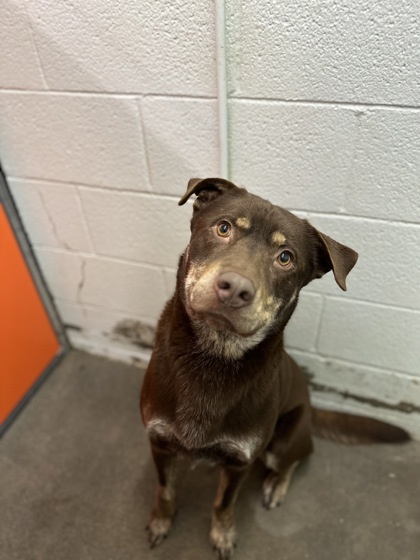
77,482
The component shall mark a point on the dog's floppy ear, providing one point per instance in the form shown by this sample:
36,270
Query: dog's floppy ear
211,186
332,255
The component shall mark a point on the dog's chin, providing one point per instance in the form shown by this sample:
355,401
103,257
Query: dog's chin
220,322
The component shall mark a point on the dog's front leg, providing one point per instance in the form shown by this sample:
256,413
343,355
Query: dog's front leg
164,510
223,532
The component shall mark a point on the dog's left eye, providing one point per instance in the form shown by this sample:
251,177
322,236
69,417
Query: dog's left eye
223,229
285,258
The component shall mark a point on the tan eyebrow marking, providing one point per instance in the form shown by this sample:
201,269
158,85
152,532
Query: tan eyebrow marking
243,223
278,238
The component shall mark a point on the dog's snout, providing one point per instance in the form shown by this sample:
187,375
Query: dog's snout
234,290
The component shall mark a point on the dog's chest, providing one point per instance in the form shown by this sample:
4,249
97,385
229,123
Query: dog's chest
220,449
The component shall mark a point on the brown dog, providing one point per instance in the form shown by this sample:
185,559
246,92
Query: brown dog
220,386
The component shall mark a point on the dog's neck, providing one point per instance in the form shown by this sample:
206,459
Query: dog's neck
214,366
225,344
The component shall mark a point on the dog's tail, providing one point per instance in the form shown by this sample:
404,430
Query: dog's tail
352,429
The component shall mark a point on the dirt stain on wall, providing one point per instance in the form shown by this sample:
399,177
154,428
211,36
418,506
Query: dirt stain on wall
135,332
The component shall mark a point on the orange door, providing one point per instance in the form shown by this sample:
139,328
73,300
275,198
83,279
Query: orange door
28,342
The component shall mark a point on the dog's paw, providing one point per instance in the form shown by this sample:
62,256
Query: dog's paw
158,529
274,490
276,485
223,541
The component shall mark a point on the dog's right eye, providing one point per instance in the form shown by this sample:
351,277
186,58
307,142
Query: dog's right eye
223,229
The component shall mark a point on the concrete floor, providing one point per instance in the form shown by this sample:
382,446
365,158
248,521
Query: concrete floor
77,482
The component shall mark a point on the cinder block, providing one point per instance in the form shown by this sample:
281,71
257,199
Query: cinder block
19,64
51,213
124,287
182,141
298,156
63,272
302,330
384,182
143,228
332,51
369,334
145,47
388,260
75,138
363,162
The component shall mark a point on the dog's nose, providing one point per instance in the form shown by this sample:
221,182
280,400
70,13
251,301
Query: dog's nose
234,290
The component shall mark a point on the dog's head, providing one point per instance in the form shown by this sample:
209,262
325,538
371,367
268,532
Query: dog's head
247,261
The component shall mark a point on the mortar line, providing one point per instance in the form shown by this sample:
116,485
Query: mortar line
372,303
100,256
345,298
93,93
314,102
111,311
347,216
103,188
222,88
199,96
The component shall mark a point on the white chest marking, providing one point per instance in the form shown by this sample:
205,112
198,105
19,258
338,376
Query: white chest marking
246,446
159,426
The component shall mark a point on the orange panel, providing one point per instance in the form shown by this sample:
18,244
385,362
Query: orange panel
27,340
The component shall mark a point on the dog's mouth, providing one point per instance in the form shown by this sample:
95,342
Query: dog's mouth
219,321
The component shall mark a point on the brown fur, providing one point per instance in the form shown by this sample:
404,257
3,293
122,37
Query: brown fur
220,386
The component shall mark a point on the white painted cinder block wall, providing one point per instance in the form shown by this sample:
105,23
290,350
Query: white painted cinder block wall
106,110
